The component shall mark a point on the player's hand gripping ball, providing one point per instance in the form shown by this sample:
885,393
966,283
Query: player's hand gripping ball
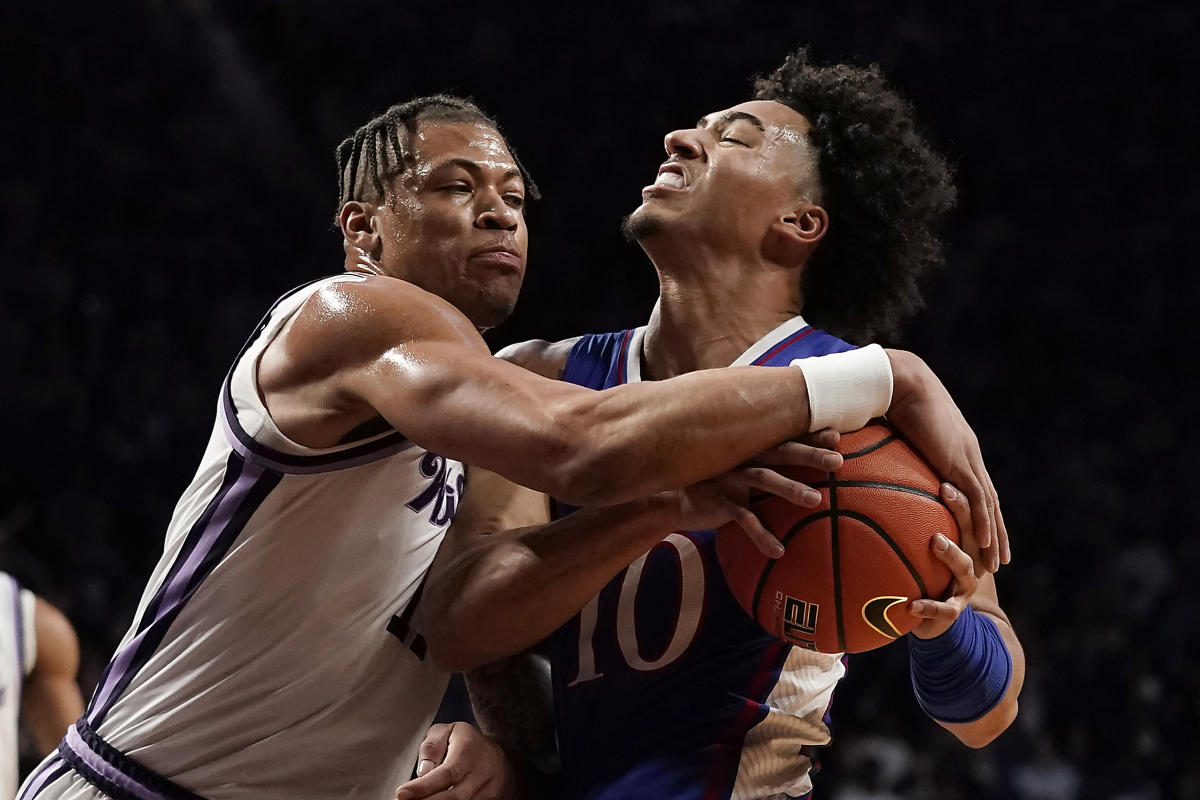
855,560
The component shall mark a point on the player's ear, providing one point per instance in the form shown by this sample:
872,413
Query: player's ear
360,228
809,223
793,235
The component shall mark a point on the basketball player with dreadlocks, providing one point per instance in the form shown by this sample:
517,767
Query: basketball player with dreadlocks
273,652
816,195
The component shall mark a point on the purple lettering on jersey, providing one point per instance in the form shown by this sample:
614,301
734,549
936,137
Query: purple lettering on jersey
442,492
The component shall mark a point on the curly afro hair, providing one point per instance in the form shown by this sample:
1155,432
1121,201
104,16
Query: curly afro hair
885,190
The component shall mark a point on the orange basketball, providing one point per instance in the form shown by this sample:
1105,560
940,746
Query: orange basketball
852,562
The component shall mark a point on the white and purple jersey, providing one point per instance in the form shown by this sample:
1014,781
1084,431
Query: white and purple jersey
18,649
271,655
665,689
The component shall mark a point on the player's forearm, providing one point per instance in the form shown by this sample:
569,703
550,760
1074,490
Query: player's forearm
594,448
984,730
650,437
512,589
513,701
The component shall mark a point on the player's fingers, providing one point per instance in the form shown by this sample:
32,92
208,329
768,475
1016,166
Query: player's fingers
942,610
433,749
1005,546
431,784
980,518
762,538
993,559
1003,551
768,480
798,454
826,437
991,542
960,564
956,501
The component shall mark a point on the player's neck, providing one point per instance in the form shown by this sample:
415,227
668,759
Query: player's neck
705,322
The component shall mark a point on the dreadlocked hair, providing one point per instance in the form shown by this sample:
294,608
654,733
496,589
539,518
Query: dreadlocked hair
382,148
885,190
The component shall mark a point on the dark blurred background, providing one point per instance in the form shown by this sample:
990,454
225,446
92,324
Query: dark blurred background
168,171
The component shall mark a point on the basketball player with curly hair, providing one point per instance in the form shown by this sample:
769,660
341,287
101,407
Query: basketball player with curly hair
273,652
781,228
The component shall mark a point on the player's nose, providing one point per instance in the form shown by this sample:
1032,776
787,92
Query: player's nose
685,143
495,214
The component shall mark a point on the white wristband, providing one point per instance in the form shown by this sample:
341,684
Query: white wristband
846,390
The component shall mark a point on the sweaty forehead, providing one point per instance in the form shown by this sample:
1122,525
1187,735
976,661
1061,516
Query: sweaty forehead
772,114
436,143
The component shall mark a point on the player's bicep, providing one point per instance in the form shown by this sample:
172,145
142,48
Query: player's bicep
458,401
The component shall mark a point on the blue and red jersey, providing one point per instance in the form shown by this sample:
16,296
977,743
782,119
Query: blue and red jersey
665,689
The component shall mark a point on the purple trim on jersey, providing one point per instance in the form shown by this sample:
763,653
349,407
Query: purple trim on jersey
97,772
50,771
246,446
243,490
113,772
254,451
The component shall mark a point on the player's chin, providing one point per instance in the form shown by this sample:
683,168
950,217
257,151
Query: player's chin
492,305
643,223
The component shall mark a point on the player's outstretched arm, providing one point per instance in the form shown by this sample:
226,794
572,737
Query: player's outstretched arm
359,350
921,409
505,577
968,666
51,698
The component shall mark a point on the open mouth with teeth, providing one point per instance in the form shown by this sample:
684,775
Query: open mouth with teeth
671,180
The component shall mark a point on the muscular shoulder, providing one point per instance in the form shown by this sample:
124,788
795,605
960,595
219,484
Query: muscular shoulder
380,307
354,322
538,355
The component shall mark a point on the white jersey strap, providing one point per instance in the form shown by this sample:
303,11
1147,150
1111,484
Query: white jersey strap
27,629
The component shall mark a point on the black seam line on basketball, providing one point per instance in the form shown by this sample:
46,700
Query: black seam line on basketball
899,487
870,448
766,573
875,526
837,563
795,529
